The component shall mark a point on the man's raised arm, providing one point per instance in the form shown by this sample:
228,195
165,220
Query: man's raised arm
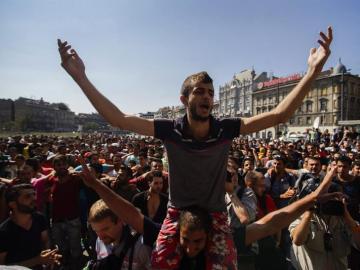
75,67
272,222
126,211
287,107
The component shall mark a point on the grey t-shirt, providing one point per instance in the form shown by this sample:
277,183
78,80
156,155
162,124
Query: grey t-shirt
312,255
197,169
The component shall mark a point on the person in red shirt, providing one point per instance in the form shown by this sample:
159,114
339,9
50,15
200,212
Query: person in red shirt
66,226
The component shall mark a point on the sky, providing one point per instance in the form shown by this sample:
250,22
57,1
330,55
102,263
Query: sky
138,52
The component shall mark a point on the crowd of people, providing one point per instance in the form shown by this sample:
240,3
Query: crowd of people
191,193
52,215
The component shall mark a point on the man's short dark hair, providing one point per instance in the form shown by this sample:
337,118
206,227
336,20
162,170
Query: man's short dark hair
150,176
157,160
355,163
60,158
127,169
20,157
143,154
195,218
344,159
13,192
98,168
313,158
34,163
189,83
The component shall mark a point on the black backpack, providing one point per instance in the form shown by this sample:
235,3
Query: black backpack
114,262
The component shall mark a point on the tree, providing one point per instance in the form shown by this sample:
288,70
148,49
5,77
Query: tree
63,106
91,126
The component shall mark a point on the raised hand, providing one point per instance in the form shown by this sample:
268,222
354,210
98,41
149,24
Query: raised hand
88,178
326,182
319,56
71,61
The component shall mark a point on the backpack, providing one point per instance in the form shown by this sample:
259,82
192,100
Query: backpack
114,262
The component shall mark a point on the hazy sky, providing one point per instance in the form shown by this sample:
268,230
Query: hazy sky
138,52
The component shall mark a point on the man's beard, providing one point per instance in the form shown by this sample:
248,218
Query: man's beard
194,115
25,209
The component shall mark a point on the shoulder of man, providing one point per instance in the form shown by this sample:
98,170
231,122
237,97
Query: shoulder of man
163,127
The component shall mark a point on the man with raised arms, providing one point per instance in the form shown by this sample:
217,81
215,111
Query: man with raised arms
197,147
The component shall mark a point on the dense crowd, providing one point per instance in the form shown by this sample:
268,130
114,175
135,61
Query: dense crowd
74,228
193,193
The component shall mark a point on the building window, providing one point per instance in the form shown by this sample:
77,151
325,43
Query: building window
309,106
339,102
334,119
308,120
292,121
323,105
300,121
300,109
323,119
324,92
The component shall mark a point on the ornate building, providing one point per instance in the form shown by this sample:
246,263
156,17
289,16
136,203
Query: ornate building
334,97
235,97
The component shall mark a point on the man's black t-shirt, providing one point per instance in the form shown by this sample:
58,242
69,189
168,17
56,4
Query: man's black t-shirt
21,244
352,190
140,201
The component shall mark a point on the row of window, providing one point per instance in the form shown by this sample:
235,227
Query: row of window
324,120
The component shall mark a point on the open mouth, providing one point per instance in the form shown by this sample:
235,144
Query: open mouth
205,106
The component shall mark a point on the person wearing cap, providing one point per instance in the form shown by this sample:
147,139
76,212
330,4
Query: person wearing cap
270,161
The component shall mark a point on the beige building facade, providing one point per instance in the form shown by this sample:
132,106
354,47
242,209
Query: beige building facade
334,97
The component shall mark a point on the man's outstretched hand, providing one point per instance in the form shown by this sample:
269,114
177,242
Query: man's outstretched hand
319,56
86,175
71,61
325,184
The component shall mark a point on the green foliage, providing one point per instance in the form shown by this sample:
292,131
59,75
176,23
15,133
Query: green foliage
91,126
